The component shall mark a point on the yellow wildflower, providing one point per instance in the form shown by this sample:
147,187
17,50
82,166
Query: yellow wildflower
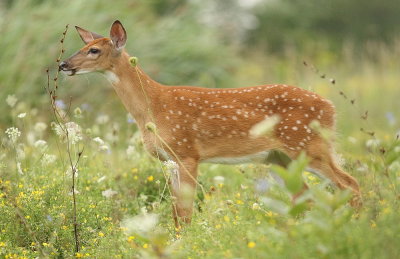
269,214
251,244
226,218
150,178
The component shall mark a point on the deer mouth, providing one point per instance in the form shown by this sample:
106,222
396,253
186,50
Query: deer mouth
68,71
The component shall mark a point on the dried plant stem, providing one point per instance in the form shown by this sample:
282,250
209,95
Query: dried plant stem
332,81
60,121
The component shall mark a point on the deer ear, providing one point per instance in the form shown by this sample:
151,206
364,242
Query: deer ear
118,35
87,36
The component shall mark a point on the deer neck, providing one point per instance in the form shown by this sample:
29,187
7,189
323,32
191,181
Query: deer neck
134,87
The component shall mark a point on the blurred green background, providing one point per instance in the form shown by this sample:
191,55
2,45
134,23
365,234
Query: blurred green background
227,43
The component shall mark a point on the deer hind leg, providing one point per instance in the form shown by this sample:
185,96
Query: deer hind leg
183,191
323,162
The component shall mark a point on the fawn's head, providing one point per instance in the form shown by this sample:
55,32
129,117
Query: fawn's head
99,53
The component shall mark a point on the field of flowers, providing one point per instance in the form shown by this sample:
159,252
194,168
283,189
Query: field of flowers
123,201
75,180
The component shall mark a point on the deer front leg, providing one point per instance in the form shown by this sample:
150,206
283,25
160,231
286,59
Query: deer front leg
183,190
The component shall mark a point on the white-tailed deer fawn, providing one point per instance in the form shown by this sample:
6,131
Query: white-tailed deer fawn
195,125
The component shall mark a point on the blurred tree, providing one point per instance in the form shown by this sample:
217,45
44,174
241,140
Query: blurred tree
297,22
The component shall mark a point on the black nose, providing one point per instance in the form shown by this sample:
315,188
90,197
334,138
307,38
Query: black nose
63,65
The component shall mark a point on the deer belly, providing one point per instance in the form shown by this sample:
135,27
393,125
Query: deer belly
259,157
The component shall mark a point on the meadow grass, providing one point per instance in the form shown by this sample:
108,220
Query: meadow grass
243,212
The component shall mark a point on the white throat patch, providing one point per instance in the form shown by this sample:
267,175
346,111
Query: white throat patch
113,78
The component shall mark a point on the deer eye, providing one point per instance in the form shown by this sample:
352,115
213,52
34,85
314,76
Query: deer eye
94,51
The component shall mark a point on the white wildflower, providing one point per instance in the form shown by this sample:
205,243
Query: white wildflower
265,126
108,193
69,172
101,179
219,179
256,206
13,134
19,169
130,150
75,191
143,197
171,165
112,137
73,129
11,100
21,115
40,127
98,140
74,132
102,119
104,147
40,144
362,168
352,140
140,224
58,130
243,187
173,170
20,151
48,159
373,143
